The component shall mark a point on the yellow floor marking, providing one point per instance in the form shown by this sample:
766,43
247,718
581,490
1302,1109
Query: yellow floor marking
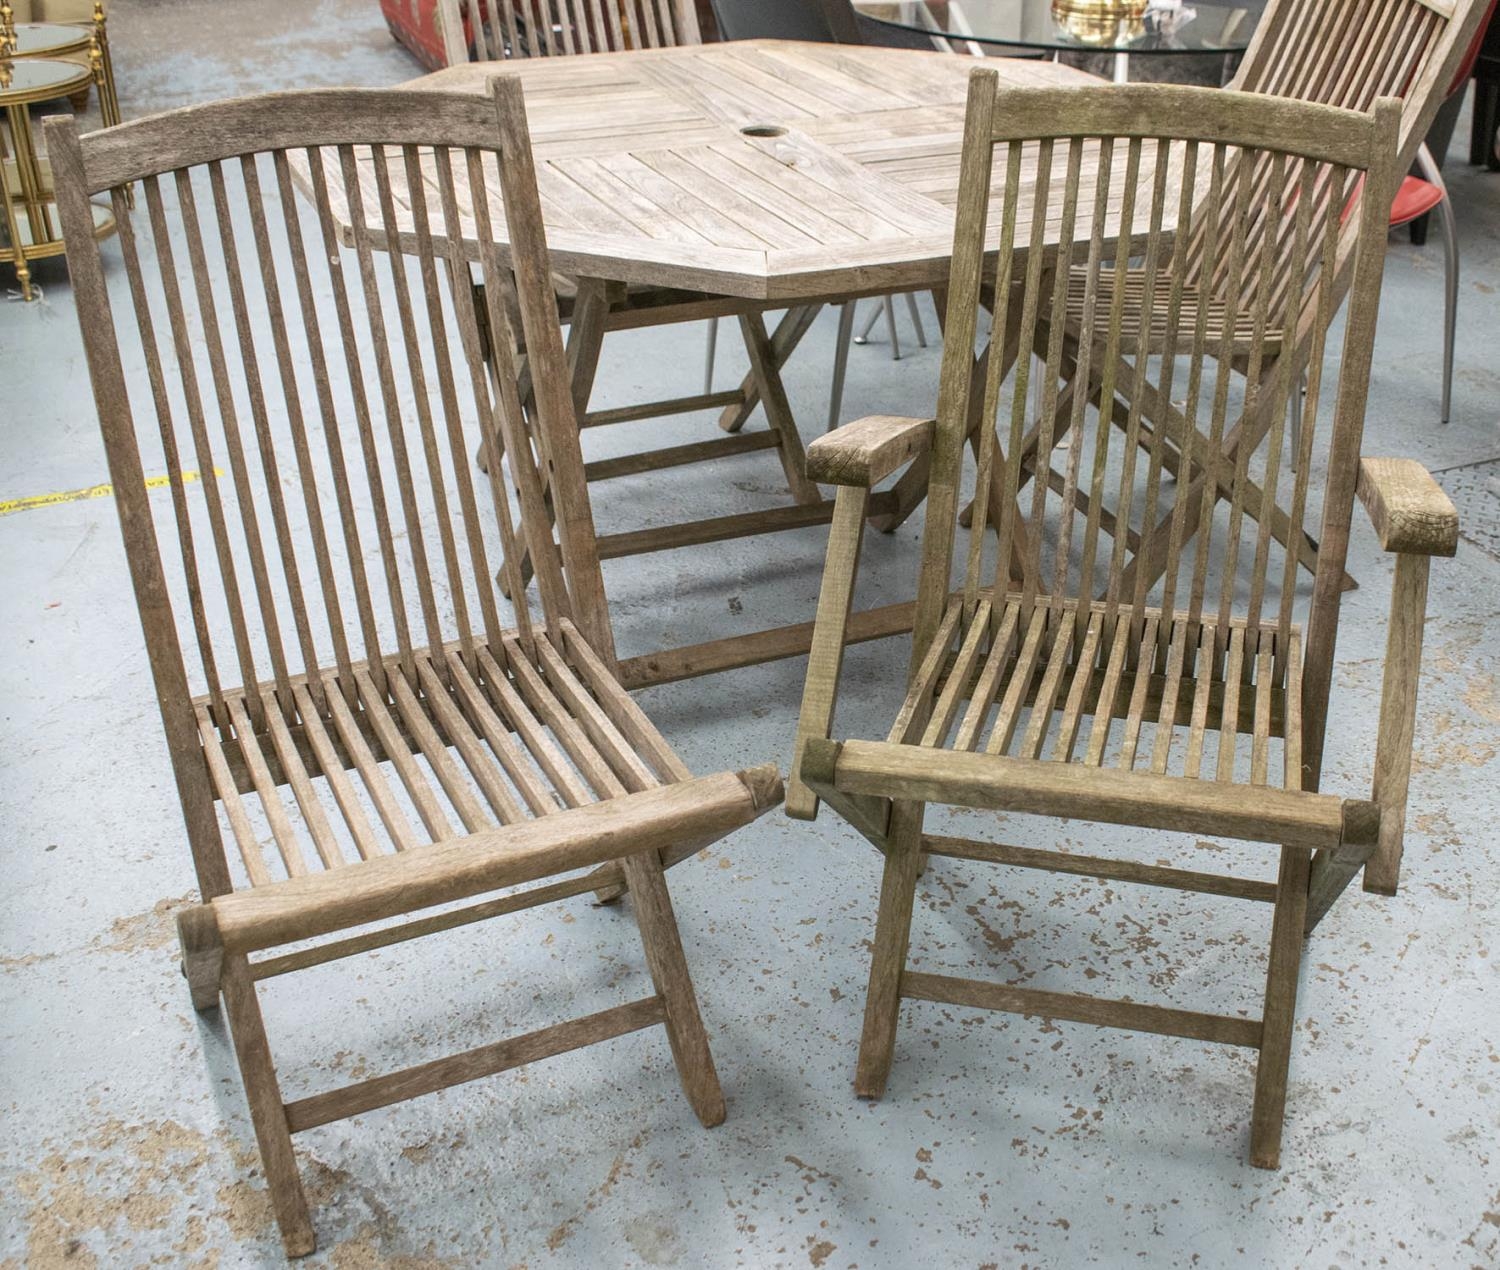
11,505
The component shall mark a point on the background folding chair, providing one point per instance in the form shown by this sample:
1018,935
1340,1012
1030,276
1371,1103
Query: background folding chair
1346,54
1195,703
321,619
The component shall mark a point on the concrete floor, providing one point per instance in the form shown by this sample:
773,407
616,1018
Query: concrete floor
1002,1140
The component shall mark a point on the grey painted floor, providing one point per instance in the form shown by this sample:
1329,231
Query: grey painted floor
1002,1141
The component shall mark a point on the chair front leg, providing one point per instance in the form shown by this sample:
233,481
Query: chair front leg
825,659
669,972
1280,1013
267,1111
898,893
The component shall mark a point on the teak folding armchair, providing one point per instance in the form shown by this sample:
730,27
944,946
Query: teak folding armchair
1054,682
320,612
1345,53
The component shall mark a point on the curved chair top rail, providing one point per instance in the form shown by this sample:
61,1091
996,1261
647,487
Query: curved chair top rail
299,120
1169,112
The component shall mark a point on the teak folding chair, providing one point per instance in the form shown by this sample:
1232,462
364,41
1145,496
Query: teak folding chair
1344,53
1077,690
490,30
391,747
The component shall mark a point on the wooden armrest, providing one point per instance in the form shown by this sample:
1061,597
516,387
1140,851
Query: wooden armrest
867,450
1409,510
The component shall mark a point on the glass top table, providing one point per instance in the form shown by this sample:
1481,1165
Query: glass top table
33,80
36,39
1076,26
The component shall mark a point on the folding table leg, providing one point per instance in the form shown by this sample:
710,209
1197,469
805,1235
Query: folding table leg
794,324
267,1112
1280,1014
669,972
898,892
767,371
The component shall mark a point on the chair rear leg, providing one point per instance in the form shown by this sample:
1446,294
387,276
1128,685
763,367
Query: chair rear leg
267,1111
898,891
669,972
1280,1013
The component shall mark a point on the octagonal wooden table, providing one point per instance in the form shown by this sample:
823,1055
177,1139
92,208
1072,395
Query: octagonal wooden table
729,180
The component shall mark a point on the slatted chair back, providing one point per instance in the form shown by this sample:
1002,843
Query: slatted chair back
1073,168
1348,53
490,30
314,402
1355,51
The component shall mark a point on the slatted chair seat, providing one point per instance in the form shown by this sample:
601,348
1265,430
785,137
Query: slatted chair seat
404,756
1243,337
1115,687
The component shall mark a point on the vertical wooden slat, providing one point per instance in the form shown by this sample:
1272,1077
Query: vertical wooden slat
245,493
1151,278
386,362
1212,233
1106,425
1051,369
1177,268
166,428
255,390
488,409
291,395
994,372
1214,457
1011,530
182,345
1260,282
352,365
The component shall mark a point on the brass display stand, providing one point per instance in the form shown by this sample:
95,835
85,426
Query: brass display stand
77,57
86,43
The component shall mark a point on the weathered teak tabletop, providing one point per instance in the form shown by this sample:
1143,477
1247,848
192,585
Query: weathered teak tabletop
731,179
760,169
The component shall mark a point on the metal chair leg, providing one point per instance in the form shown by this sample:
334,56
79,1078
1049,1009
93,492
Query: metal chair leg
840,362
889,305
1450,302
864,332
1430,171
916,318
713,348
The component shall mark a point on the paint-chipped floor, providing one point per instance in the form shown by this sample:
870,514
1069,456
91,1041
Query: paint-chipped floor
1002,1141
